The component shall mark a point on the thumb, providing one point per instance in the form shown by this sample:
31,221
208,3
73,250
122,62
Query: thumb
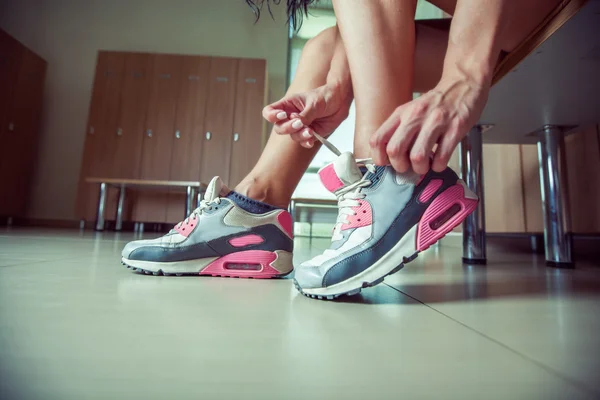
308,114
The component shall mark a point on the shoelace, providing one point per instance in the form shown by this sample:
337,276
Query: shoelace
347,197
204,205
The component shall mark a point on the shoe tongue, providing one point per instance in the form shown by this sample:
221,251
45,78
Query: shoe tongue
340,173
216,188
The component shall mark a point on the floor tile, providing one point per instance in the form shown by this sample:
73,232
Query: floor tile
548,315
86,327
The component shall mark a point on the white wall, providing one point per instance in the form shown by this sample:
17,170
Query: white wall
68,34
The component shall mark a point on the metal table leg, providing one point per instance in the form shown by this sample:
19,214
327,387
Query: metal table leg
101,206
119,219
471,164
555,199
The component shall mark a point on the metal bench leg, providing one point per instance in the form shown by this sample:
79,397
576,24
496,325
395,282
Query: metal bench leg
119,219
471,163
555,198
101,206
189,201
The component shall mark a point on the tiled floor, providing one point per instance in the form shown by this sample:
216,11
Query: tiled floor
76,324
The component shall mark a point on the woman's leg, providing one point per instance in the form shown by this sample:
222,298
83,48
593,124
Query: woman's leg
283,161
379,37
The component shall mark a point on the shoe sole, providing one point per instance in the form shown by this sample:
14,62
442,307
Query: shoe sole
254,264
419,238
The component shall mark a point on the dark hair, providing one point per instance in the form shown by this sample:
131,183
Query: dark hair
296,9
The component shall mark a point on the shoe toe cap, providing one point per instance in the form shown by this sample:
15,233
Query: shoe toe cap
131,247
309,276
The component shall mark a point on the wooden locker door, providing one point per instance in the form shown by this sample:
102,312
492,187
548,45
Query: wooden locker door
189,128
248,125
216,149
158,140
503,195
100,135
11,56
25,115
127,152
160,121
582,153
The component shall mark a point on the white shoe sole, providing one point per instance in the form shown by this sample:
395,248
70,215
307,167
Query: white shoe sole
390,263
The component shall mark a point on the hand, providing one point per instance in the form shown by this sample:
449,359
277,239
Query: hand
320,110
442,116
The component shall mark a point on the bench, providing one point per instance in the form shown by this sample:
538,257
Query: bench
193,190
300,202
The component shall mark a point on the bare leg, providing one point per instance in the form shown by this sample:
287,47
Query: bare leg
283,161
379,37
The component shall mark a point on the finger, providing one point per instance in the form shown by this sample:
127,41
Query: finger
399,145
302,136
427,138
288,127
380,139
309,144
274,112
446,145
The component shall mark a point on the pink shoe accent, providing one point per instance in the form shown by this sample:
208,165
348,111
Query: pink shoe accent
363,217
184,228
430,190
285,220
448,210
330,179
258,263
246,240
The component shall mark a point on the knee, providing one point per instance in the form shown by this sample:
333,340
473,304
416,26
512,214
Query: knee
323,43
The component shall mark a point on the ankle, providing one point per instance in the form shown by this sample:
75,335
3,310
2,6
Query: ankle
262,190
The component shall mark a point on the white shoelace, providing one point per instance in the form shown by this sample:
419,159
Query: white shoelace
347,197
204,205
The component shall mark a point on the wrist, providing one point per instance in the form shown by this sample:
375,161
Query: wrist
474,67
341,88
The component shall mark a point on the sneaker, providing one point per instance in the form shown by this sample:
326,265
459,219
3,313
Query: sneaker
385,219
228,235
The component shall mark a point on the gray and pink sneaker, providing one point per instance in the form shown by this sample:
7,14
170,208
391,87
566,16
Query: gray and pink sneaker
228,235
385,219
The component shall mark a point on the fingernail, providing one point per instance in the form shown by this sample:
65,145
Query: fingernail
282,115
297,124
306,135
309,144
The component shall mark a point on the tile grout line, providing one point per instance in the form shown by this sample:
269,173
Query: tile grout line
573,382
38,262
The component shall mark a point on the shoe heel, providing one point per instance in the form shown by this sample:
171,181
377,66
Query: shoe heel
444,213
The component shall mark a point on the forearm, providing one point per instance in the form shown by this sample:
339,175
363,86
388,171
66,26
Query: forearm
474,44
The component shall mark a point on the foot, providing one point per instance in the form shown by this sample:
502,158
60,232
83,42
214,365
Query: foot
385,219
228,235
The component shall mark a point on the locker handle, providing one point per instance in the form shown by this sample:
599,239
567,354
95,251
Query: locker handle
177,134
149,133
236,137
208,135
92,130
11,127
119,132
